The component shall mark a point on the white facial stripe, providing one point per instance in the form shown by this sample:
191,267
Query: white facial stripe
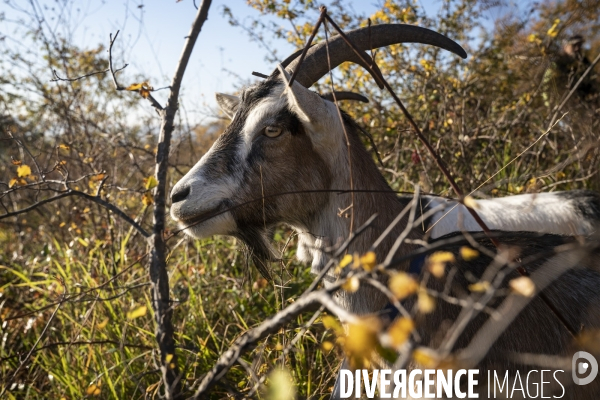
266,108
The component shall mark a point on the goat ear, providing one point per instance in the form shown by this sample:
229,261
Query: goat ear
227,103
310,108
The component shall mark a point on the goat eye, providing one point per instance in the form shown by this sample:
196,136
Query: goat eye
273,131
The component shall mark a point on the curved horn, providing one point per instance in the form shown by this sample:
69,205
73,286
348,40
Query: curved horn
342,95
315,65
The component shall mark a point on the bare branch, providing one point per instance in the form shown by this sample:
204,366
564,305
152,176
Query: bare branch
96,199
163,311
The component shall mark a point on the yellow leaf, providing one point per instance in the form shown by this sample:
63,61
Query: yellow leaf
523,286
471,202
346,260
64,146
101,325
552,32
86,210
12,182
400,331
468,253
403,285
150,182
361,339
330,322
93,390
425,303
147,199
436,263
479,287
143,88
441,257
168,358
138,312
99,177
426,357
327,346
355,261
281,386
135,86
278,347
368,261
23,171
62,224
351,285
437,269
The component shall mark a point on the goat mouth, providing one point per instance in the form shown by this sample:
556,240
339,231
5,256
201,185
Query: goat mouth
203,216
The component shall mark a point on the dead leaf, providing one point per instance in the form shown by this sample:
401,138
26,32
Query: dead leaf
147,199
403,285
400,331
425,302
351,285
479,287
468,253
143,88
523,286
368,261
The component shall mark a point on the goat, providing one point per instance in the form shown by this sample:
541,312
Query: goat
287,147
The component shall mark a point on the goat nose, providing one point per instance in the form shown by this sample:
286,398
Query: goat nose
180,194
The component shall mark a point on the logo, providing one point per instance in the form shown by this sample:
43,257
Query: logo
584,363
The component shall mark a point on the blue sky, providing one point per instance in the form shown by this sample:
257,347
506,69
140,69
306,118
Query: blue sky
223,55
152,37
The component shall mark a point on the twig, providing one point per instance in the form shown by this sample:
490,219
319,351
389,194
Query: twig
57,78
76,343
308,45
271,325
587,71
110,62
163,311
96,199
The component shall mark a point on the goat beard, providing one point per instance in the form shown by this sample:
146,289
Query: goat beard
260,249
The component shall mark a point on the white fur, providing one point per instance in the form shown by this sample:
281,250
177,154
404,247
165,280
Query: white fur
261,116
542,212
205,196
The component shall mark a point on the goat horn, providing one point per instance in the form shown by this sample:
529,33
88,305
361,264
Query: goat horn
315,64
342,95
